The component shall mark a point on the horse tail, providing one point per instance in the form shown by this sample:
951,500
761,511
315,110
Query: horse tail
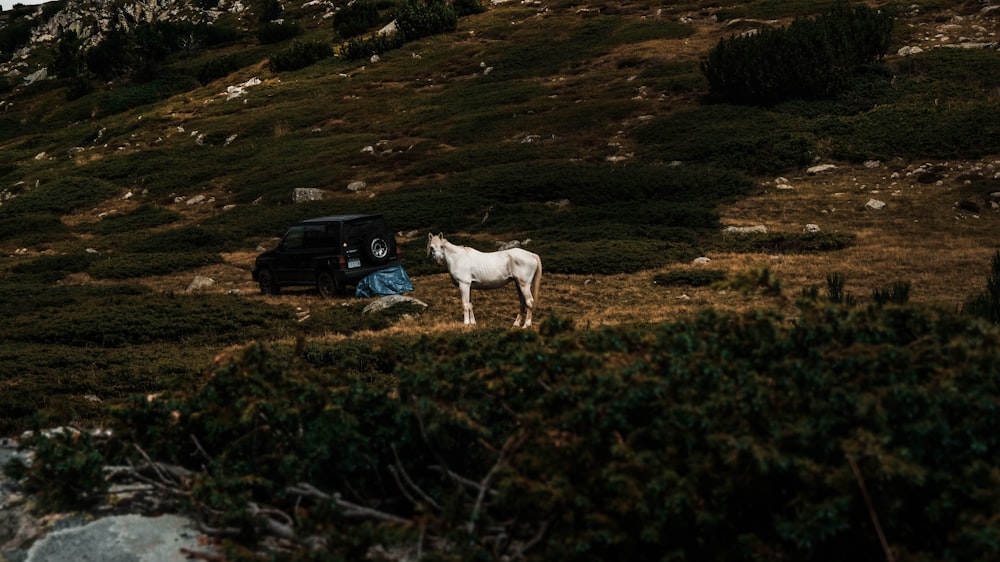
538,280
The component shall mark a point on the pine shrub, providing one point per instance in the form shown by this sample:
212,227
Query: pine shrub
300,55
809,59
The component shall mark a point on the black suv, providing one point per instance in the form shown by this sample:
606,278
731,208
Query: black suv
328,252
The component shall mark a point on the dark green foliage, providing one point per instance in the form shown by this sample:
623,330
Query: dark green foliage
359,48
416,19
143,218
755,140
70,474
811,58
689,277
48,269
987,304
467,7
300,55
784,242
699,439
16,33
31,228
59,196
274,32
139,53
219,67
268,10
133,265
133,95
355,18
898,293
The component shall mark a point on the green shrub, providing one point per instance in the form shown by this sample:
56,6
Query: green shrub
689,277
360,48
274,32
48,269
355,18
300,55
60,196
143,218
416,19
699,439
133,265
784,242
811,58
220,67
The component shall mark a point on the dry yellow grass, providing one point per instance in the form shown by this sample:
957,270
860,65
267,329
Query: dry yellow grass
920,236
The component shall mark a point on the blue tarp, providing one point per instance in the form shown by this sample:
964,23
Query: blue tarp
389,281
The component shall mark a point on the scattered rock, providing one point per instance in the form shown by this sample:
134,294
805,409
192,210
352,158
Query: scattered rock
200,282
909,50
819,169
875,205
782,183
389,301
356,186
811,228
557,204
701,261
305,194
756,229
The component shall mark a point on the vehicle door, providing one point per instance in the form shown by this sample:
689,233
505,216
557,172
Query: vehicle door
292,262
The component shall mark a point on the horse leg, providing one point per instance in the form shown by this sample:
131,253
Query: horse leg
520,313
465,289
527,302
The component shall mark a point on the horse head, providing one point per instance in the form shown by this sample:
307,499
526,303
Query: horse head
435,247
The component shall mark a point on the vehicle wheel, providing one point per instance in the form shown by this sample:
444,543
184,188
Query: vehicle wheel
327,286
378,248
266,281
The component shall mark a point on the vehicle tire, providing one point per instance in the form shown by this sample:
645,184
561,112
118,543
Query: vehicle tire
377,248
327,286
265,278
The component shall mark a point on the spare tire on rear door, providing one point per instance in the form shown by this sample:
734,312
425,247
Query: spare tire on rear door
378,248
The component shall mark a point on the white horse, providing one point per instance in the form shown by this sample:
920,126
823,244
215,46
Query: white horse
472,269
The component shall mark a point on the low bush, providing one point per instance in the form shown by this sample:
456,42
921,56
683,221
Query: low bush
783,242
143,218
416,19
131,265
275,32
689,277
355,18
300,55
59,196
720,437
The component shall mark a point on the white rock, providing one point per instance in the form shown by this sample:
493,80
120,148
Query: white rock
756,229
820,168
875,205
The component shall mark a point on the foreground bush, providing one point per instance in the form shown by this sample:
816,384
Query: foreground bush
720,437
811,58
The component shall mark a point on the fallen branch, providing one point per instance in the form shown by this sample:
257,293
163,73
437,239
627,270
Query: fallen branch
871,509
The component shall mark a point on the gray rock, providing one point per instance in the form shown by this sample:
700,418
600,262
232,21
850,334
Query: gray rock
389,301
304,194
125,538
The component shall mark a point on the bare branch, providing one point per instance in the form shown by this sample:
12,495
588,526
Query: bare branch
409,481
350,509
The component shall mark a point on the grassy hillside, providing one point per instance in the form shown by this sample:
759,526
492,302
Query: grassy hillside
114,199
588,132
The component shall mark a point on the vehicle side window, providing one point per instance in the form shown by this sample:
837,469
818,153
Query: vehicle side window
333,236
294,239
315,237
